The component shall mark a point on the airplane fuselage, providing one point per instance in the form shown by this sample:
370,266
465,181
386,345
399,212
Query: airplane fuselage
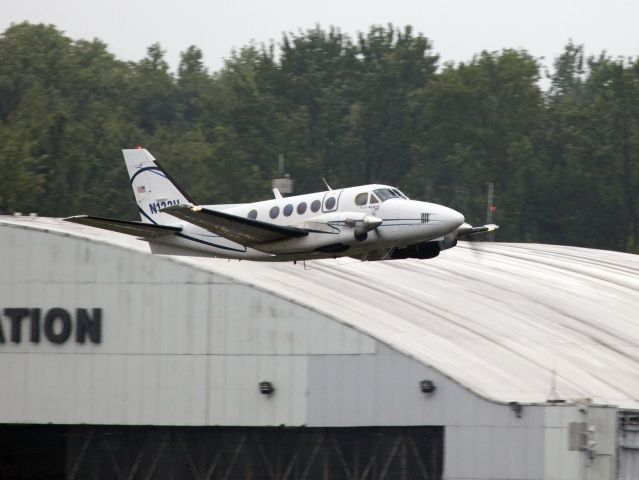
335,220
367,222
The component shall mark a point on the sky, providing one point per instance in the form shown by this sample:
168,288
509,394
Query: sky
458,29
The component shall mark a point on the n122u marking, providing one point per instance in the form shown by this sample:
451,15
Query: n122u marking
157,206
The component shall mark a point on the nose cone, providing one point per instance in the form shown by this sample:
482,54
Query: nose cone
438,217
454,217
448,217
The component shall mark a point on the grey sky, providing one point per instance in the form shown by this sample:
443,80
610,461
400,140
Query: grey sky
457,28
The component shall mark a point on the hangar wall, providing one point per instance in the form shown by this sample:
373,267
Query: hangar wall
178,346
184,346
483,439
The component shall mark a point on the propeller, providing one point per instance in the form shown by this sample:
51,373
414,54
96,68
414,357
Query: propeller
466,231
363,226
472,234
371,222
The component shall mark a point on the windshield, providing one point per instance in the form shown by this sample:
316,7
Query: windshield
386,194
399,192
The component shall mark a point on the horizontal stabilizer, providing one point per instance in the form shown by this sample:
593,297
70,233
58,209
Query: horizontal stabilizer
139,229
244,231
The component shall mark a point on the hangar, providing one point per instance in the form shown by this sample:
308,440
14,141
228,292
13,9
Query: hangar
519,363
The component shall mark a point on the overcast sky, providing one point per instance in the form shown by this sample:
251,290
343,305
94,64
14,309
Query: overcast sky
457,28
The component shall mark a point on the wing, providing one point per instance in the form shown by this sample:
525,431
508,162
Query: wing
244,231
139,229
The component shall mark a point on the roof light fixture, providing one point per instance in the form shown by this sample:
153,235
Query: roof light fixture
427,386
266,388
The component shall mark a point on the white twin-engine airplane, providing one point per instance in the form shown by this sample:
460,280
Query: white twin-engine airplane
369,222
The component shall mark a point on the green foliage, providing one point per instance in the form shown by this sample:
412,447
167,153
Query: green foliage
374,108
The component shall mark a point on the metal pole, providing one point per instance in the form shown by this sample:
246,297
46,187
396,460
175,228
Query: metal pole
490,208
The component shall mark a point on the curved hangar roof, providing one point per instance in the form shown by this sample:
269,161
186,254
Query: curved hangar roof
499,322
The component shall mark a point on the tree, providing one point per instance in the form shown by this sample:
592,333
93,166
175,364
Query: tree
477,123
151,91
375,108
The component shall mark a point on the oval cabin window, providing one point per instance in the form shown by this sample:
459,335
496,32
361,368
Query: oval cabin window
288,209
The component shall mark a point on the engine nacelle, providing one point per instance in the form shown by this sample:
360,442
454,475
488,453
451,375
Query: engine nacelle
359,222
333,232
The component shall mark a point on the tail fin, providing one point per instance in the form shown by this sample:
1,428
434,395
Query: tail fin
152,186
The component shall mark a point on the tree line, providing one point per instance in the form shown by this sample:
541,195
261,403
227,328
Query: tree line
375,107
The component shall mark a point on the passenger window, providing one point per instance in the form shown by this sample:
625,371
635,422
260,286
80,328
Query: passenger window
275,211
361,199
288,209
252,214
315,206
301,208
374,199
330,203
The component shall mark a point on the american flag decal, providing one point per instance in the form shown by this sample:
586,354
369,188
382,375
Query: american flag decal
141,189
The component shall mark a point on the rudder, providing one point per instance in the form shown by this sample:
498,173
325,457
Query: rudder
152,186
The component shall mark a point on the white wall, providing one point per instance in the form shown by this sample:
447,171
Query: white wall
183,346
179,345
483,439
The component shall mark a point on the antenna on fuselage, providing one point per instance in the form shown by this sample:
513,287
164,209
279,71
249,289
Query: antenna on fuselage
283,184
326,183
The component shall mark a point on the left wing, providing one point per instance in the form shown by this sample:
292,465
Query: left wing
139,229
244,231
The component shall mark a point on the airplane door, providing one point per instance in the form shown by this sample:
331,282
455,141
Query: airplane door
331,200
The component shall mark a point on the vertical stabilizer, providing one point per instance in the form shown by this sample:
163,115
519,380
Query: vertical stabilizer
152,186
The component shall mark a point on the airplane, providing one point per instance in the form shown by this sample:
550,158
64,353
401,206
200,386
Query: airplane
367,222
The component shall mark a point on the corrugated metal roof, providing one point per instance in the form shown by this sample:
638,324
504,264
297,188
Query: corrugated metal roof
499,321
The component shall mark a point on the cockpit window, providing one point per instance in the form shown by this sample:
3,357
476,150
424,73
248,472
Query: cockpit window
374,199
398,192
361,199
386,194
